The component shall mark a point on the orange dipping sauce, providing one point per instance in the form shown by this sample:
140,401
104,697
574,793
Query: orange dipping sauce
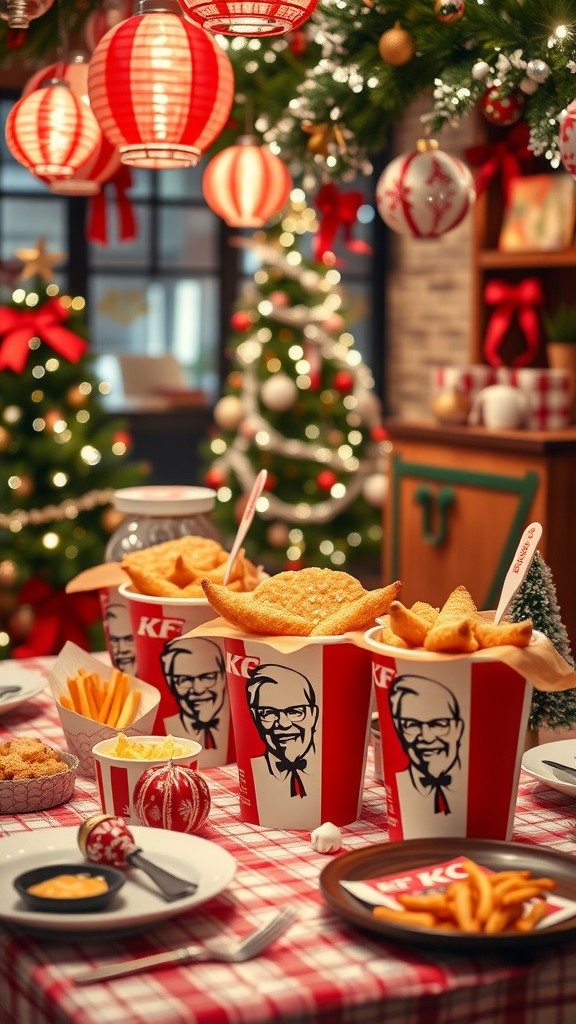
69,887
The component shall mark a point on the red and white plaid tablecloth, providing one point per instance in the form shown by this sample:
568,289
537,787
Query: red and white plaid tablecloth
321,970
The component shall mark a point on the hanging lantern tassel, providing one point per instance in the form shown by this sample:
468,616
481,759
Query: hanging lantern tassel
338,210
121,181
324,138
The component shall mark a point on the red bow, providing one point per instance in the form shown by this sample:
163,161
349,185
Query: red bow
519,298
19,325
58,617
97,227
337,210
505,157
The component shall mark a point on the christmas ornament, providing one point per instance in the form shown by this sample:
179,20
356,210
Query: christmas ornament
246,184
537,70
277,535
334,324
528,87
480,70
567,139
240,321
228,412
278,393
8,573
379,433
172,796
52,417
338,212
214,478
375,490
343,382
448,11
19,13
425,193
500,107
160,87
396,46
24,486
76,397
249,17
451,407
326,480
51,131
37,262
297,41
279,299
326,138
235,379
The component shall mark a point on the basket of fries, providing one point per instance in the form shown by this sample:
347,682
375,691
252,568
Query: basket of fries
97,701
453,696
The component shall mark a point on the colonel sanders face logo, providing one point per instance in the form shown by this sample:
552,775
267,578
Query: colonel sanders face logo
118,626
194,670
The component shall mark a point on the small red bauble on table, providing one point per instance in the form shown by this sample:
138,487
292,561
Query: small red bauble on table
502,108
425,193
173,797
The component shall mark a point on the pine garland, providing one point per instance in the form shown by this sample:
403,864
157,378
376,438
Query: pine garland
537,600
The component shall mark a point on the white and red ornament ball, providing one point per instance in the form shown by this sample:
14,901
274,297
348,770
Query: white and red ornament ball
567,139
502,108
425,193
173,797
375,490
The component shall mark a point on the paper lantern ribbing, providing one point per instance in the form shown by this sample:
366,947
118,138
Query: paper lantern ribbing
161,88
246,184
425,193
249,17
173,797
567,139
52,132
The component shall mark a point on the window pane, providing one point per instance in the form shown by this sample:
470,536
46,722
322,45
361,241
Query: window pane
188,237
24,221
124,254
181,183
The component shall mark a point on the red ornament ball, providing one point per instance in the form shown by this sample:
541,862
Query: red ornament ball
326,480
240,321
502,108
123,437
379,433
172,796
343,382
214,478
448,11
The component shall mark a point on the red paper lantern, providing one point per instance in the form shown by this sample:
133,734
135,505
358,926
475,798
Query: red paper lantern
72,69
160,87
249,17
52,132
246,184
172,796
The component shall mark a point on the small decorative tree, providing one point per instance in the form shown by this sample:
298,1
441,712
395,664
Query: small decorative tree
536,599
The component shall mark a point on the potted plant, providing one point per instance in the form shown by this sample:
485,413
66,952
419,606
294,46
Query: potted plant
560,328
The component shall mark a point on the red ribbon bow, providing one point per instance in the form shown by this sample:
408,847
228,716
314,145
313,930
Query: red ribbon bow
17,326
121,181
337,210
506,157
58,617
521,299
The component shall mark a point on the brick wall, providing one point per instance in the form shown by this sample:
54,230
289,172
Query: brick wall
428,296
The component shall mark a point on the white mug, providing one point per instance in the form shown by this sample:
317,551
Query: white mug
500,407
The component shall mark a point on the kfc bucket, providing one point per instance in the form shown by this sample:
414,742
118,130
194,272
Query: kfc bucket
452,730
188,673
301,715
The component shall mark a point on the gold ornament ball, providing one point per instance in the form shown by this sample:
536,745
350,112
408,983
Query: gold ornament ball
111,519
4,439
396,46
76,398
451,407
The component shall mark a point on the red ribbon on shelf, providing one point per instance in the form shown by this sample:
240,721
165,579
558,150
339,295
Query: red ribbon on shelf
508,158
97,231
58,617
522,299
337,210
17,326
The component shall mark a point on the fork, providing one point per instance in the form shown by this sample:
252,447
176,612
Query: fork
230,952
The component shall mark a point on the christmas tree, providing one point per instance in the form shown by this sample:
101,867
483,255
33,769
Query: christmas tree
299,402
62,459
536,599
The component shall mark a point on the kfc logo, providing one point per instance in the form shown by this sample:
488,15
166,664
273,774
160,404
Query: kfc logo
240,665
160,629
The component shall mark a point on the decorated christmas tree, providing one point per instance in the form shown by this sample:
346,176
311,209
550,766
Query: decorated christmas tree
300,403
536,599
62,459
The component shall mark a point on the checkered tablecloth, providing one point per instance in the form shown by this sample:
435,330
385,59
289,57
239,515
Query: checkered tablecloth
321,970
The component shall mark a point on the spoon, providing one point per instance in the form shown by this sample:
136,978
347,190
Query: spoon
248,516
105,839
518,567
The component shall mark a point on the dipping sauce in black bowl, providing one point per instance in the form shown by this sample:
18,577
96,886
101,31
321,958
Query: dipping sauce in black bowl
69,888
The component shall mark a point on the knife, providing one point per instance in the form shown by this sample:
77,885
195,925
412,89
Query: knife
560,767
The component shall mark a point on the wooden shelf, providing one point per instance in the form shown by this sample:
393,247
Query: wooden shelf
492,259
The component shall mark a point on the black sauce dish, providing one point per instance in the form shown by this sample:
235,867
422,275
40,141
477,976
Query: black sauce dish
73,905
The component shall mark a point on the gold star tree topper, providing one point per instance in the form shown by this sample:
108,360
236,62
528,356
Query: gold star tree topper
38,262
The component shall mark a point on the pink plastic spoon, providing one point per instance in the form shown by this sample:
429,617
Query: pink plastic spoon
245,522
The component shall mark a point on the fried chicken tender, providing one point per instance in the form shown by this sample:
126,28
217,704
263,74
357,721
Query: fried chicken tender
518,634
29,758
305,602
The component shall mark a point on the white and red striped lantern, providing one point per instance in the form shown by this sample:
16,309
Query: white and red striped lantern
249,17
173,797
161,88
246,184
425,193
73,68
52,132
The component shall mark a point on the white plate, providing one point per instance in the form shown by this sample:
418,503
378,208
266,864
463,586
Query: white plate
563,751
138,903
30,684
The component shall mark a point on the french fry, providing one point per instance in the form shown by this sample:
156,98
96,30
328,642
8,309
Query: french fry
66,702
405,917
484,891
120,694
90,698
110,702
78,695
128,712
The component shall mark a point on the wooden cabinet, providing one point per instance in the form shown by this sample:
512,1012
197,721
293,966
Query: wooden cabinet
459,500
